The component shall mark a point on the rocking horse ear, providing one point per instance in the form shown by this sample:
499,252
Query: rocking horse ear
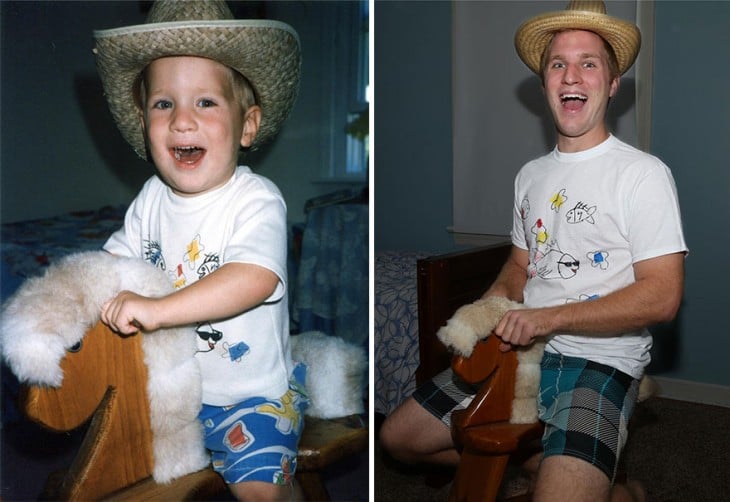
35,358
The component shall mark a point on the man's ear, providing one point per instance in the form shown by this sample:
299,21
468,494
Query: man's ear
614,87
251,122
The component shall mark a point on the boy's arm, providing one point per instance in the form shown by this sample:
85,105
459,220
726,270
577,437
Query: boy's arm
231,290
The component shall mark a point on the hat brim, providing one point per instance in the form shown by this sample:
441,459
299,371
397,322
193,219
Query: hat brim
266,52
533,36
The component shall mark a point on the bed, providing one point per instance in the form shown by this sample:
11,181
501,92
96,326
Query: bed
27,247
415,293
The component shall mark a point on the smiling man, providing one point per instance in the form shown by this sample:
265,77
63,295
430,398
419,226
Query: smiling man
579,80
597,257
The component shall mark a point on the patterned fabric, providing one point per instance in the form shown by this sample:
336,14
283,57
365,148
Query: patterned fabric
257,439
396,328
27,247
331,292
444,394
586,408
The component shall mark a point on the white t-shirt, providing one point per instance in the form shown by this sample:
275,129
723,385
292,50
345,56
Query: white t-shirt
585,219
243,221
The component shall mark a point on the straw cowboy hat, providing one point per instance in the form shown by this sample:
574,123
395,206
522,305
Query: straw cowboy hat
265,52
535,34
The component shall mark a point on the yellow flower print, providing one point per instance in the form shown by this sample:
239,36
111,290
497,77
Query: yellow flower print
193,252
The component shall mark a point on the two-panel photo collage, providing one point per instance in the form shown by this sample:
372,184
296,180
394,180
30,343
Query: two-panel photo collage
364,250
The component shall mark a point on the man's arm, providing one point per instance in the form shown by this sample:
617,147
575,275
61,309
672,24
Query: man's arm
512,278
654,297
232,289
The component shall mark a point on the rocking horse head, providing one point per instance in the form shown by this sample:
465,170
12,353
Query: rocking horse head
103,379
101,371
141,392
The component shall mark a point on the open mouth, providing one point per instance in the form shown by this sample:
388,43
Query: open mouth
573,101
187,154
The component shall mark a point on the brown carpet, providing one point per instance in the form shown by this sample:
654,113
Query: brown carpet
679,451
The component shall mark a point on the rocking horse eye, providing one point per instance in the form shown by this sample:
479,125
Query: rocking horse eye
75,347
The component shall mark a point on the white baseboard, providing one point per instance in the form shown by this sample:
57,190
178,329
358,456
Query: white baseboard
694,392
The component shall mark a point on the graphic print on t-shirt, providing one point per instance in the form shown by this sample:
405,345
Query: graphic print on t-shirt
153,253
196,262
581,213
548,260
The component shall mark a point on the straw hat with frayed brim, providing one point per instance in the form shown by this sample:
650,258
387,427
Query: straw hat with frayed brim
265,52
535,34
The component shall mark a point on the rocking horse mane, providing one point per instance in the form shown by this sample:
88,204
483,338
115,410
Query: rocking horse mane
48,317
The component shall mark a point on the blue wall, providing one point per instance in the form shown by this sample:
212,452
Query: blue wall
691,113
412,125
690,130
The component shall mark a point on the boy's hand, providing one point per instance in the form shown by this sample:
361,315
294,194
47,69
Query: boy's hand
130,313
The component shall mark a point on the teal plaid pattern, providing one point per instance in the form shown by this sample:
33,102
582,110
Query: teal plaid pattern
586,408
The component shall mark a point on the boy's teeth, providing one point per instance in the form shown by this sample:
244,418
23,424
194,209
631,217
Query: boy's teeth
187,153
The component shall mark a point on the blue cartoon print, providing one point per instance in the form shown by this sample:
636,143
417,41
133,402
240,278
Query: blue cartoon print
582,298
598,259
153,254
235,352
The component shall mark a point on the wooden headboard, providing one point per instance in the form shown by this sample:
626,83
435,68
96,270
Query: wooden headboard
445,283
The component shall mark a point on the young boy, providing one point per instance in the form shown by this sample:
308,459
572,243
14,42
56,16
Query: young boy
188,89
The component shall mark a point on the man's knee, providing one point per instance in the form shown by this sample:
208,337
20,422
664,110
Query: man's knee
399,433
570,479
391,436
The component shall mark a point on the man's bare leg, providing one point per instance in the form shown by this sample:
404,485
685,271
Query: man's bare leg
570,479
413,435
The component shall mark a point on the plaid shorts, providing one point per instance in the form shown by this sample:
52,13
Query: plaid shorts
257,439
586,408
444,394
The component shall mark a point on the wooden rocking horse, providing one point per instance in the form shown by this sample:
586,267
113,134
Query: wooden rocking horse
105,381
482,431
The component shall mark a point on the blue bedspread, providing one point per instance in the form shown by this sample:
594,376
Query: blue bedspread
28,247
396,327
